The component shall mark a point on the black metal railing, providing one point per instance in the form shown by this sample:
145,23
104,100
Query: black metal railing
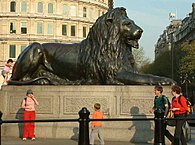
84,120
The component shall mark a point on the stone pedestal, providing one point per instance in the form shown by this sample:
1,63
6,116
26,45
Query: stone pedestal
63,102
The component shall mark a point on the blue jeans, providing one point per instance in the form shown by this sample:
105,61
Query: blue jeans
3,73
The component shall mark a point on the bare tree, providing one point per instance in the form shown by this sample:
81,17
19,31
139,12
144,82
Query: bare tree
140,59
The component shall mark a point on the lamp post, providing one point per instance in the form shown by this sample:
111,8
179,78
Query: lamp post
186,81
110,4
171,46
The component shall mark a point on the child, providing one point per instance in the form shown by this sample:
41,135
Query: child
6,70
97,125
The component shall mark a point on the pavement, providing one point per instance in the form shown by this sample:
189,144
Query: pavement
40,141
44,141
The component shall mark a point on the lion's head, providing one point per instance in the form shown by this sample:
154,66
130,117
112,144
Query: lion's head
109,41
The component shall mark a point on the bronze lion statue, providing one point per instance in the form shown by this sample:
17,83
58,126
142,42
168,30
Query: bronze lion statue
103,58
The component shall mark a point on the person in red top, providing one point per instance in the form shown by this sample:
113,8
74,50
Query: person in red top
96,126
179,108
28,104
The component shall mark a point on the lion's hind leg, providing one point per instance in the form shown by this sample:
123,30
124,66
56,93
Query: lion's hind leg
28,62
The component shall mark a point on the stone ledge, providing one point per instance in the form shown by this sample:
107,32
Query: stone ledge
60,102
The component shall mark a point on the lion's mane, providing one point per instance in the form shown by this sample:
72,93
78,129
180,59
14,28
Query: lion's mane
102,51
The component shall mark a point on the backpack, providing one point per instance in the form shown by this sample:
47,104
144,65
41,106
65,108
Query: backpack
189,106
169,104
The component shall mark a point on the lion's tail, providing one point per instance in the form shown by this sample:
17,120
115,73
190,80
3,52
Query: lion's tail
13,82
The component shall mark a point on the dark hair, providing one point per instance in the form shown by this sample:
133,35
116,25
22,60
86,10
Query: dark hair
10,60
159,88
176,89
97,106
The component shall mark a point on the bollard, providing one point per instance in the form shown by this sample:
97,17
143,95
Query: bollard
83,126
159,134
1,114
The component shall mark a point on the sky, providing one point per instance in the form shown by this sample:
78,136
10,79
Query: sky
153,17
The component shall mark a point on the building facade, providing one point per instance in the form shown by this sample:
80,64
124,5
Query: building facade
64,21
176,33
165,40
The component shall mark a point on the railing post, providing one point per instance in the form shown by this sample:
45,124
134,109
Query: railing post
83,126
1,114
159,134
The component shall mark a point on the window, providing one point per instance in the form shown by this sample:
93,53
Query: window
12,51
64,30
39,28
73,31
12,27
40,7
22,48
91,13
84,12
24,6
84,32
23,27
50,29
64,10
50,8
73,10
13,6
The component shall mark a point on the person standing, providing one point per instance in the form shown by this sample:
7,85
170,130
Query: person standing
179,108
6,70
161,102
28,104
97,125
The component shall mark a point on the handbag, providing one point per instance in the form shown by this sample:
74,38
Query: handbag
170,122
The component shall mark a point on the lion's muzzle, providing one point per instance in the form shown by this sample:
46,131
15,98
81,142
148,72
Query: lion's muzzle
135,35
138,33
132,32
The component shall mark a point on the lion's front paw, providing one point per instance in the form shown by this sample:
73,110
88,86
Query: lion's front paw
162,81
113,82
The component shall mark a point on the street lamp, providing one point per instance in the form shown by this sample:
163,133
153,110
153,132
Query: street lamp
110,4
186,80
